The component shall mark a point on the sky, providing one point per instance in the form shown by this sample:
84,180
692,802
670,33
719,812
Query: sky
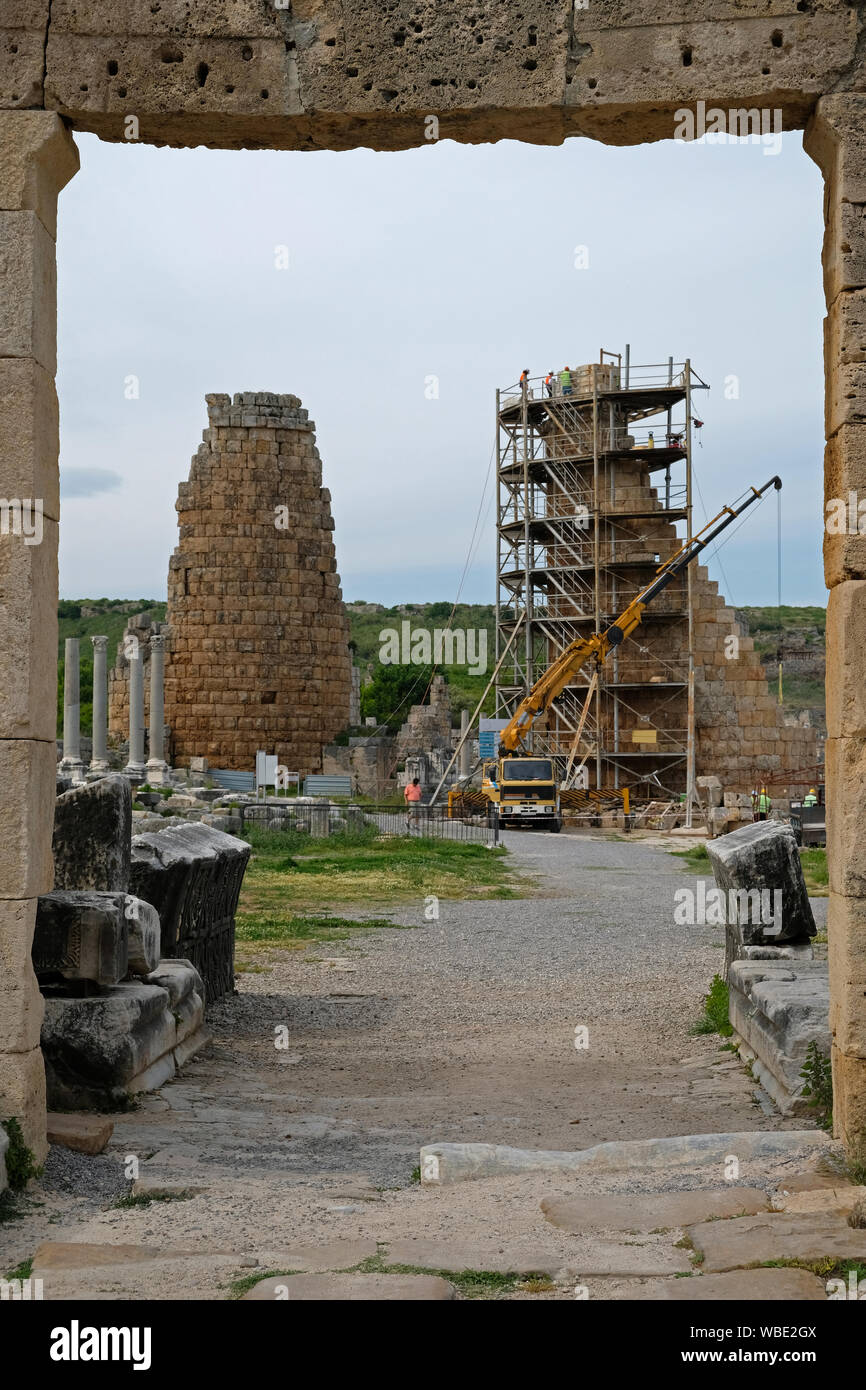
447,262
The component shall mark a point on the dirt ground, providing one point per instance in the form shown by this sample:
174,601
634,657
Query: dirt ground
301,1124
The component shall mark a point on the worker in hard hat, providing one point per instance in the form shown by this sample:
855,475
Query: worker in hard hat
764,805
650,444
811,798
565,381
549,381
524,378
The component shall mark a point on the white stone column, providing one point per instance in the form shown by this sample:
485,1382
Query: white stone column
135,766
157,767
99,756
71,764
37,157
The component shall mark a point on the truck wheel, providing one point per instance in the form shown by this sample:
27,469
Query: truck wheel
556,826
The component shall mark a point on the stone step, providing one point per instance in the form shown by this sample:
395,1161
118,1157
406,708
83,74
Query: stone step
86,1134
356,1288
748,1240
650,1211
742,1285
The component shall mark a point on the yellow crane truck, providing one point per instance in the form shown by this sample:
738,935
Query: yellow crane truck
522,788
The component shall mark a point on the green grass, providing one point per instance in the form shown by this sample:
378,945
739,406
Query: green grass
815,872
144,1199
715,1019
469,1283
288,930
695,858
22,1271
292,875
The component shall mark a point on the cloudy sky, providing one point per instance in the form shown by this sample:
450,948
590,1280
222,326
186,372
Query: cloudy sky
450,262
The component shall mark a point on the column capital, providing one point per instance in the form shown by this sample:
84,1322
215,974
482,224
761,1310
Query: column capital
157,640
100,644
38,157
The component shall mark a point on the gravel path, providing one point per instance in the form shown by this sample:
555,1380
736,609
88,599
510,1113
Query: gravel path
462,1028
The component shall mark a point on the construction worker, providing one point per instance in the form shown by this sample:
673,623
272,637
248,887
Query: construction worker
811,799
412,797
764,805
548,381
650,444
524,379
565,381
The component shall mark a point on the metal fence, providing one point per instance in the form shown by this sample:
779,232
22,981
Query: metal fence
330,818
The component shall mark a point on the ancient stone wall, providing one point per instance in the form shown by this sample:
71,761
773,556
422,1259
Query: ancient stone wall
259,655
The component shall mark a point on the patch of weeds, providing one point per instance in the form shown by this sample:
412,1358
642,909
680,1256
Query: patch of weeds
294,932
21,1271
687,1274
21,1165
817,1075
416,1174
728,1047
825,1268
684,1243
9,1208
469,1283
715,1019
537,1284
815,872
247,968
144,1199
238,1287
820,939
695,858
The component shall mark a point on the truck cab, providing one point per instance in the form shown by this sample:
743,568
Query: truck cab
525,791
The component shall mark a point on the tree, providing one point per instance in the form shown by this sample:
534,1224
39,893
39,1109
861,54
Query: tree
392,691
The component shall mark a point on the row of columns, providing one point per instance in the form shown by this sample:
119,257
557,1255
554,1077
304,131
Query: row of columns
156,768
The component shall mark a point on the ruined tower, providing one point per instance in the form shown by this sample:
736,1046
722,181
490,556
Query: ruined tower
259,655
594,471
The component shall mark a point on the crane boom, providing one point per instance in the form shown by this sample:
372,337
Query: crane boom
600,644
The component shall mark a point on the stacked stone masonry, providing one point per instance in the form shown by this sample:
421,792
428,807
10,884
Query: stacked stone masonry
259,655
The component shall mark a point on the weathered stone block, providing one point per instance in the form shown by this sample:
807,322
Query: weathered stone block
27,778
93,835
846,935
22,1097
779,1008
849,1100
844,474
28,290
101,1050
755,864
846,845
81,936
192,874
28,433
28,620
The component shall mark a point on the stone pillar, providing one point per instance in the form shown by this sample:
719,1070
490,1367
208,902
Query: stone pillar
37,157
465,762
836,140
71,764
134,769
157,767
99,758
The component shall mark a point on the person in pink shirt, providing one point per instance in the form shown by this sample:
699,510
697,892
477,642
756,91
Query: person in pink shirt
412,797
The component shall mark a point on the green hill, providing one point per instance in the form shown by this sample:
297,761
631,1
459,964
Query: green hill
801,631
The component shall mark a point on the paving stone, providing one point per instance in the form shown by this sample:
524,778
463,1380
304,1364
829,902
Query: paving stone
749,1240
742,1285
337,1255
431,1254
651,1212
833,1199
354,1288
87,1134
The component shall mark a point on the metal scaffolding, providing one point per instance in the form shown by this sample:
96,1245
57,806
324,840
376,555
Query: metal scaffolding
594,486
